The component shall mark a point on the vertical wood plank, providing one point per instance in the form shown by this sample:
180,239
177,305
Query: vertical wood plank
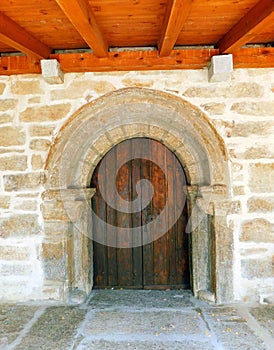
100,254
136,220
123,183
111,218
158,178
148,264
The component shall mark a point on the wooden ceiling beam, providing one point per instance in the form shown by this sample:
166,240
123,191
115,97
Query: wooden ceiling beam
248,26
139,61
81,16
18,38
175,17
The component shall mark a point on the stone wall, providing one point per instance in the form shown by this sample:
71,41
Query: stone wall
32,113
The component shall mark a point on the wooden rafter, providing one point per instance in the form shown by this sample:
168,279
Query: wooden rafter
176,14
139,60
81,16
248,26
18,38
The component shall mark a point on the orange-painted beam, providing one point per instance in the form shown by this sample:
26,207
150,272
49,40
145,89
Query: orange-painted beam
248,27
17,37
81,16
175,17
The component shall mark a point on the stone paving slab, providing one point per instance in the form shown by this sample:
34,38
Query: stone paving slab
137,320
141,345
142,299
145,323
231,329
265,316
12,321
54,330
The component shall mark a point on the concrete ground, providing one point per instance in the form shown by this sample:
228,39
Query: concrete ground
121,319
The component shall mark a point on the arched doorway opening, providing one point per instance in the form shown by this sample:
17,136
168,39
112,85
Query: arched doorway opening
87,137
139,218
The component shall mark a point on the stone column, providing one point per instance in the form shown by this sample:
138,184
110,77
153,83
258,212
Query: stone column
71,207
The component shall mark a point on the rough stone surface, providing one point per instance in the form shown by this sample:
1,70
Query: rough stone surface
23,181
258,230
40,145
26,205
233,91
247,129
13,163
265,108
261,205
52,250
5,118
2,88
11,136
19,226
38,131
78,89
8,104
14,253
13,319
26,87
4,202
265,317
45,113
214,108
257,268
261,177
63,323
37,162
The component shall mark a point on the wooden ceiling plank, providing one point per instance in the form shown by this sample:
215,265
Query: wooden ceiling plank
81,16
247,28
175,17
18,38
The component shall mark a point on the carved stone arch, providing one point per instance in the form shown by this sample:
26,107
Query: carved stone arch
93,130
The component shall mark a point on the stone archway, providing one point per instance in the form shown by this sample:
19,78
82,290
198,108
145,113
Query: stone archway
184,129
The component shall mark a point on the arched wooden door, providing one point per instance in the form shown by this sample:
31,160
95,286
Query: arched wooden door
161,263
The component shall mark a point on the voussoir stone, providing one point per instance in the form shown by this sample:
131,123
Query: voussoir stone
45,113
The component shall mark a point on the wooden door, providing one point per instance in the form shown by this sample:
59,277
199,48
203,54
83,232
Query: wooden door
145,263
